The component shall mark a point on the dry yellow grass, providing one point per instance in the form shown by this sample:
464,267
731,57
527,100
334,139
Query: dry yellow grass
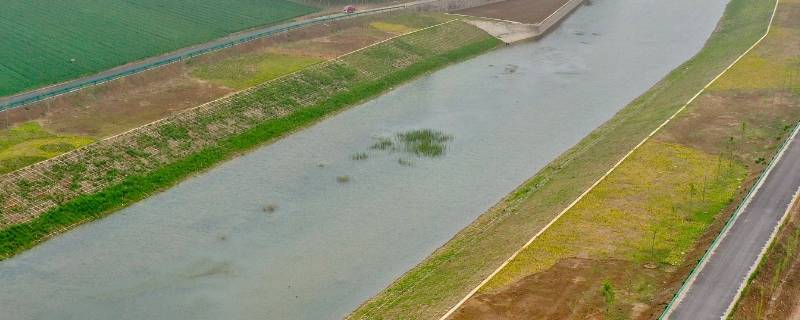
651,209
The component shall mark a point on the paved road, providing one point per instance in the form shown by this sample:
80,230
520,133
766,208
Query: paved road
717,284
24,98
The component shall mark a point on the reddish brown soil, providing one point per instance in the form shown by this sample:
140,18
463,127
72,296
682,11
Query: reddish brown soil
569,290
126,103
718,117
774,293
526,11
787,16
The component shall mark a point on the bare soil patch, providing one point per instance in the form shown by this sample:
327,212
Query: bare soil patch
571,289
787,16
747,125
525,11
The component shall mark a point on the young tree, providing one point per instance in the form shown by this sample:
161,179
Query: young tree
608,294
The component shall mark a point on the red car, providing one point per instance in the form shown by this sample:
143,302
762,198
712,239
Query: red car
349,9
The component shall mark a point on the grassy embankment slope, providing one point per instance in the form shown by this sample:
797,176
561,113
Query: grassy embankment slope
103,35
29,143
653,210
115,107
620,219
99,179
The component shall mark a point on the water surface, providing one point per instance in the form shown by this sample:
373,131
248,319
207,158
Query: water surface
206,249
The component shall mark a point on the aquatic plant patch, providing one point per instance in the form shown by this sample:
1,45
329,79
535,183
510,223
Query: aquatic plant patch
421,142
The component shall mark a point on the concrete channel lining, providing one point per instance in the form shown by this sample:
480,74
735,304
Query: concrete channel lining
513,31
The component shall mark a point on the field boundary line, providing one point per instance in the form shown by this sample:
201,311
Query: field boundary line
487,18
604,176
218,100
168,58
392,38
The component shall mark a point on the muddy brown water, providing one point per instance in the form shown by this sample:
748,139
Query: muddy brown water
207,249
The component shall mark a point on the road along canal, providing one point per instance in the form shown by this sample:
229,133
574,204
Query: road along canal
308,228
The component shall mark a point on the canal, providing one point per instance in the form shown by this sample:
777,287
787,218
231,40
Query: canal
300,230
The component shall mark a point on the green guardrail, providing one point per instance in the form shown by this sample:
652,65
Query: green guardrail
728,224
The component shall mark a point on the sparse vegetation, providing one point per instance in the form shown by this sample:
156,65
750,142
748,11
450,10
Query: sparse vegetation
646,211
383,144
343,179
360,156
248,70
28,143
608,294
425,142
420,142
390,27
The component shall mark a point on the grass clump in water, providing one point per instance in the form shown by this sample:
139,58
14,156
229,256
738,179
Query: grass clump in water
383,144
420,142
270,208
425,142
360,156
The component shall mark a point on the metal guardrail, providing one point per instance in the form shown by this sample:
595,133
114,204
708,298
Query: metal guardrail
728,225
16,103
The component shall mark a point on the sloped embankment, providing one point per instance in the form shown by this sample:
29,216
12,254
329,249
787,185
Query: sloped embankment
49,197
616,237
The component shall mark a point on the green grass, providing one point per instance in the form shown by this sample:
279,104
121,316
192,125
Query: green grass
28,143
41,38
437,283
420,142
132,188
650,210
248,70
424,142
390,27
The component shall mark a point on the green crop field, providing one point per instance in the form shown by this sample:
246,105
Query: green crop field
46,42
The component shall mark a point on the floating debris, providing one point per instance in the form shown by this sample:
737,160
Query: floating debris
511,68
270,208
